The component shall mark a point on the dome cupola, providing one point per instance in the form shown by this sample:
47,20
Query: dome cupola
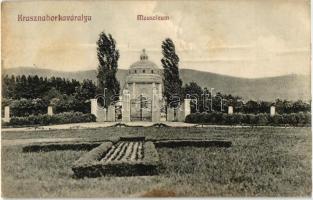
143,55
144,71
144,64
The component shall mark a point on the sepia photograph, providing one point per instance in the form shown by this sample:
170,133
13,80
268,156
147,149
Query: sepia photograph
136,98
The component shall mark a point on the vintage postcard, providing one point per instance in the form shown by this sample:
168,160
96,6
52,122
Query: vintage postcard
156,98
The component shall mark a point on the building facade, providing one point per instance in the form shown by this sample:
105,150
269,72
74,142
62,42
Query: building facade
142,97
144,83
142,77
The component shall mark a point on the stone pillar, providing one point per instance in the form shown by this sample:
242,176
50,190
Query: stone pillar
126,106
100,113
181,113
111,113
230,110
134,90
272,111
50,110
187,109
156,112
94,107
160,89
6,114
170,114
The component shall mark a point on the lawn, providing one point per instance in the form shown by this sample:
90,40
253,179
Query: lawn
261,162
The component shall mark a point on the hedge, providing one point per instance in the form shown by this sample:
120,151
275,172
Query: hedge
46,147
25,107
192,143
261,119
62,118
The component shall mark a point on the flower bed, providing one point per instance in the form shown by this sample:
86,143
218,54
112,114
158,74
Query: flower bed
61,146
125,158
193,143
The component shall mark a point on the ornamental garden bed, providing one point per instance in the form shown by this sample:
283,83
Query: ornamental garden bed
192,143
45,147
127,157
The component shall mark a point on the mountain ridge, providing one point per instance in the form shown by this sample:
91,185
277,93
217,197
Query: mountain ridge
291,87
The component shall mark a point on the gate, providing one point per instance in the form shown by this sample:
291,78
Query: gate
141,109
118,112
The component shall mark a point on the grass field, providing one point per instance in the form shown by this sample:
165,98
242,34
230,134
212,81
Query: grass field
261,162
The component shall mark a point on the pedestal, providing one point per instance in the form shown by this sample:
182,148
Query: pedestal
6,114
50,110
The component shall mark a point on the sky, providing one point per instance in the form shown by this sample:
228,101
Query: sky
243,38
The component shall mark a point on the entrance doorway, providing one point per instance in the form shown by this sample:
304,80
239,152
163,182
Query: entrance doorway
141,109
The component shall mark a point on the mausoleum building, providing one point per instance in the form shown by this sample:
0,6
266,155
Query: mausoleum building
145,85
142,77
141,98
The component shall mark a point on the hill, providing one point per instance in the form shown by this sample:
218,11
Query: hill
291,87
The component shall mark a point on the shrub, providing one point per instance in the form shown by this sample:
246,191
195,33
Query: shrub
277,119
62,118
26,107
261,119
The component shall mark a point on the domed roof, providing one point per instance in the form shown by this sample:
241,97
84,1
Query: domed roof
144,71
144,78
144,62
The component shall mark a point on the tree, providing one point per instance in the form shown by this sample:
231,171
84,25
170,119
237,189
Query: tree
171,80
264,107
108,56
22,87
194,92
251,107
87,90
8,86
300,106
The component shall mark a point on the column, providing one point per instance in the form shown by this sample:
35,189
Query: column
180,113
156,113
170,114
160,90
187,109
134,91
94,107
126,106
111,113
101,114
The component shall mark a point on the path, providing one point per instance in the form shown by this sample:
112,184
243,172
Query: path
131,124
37,140
94,125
